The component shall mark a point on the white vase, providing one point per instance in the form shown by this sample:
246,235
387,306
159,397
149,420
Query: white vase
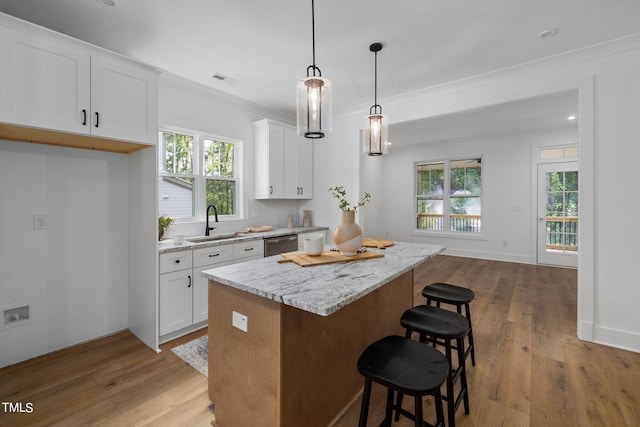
348,235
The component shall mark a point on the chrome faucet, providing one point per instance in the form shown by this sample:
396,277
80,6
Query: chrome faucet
215,212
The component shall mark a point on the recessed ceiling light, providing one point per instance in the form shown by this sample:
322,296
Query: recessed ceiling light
571,118
547,34
110,3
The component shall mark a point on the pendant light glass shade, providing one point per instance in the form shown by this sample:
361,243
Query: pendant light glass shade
376,134
376,127
314,97
314,107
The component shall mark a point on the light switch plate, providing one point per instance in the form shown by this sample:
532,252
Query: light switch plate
240,321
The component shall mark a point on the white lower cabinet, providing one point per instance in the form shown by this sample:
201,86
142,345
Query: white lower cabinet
176,291
204,259
176,295
184,296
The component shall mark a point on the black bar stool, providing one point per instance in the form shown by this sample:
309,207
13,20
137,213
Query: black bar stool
453,295
404,366
442,327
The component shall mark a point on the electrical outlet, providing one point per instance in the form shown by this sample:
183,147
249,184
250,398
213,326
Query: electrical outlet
39,222
16,314
240,321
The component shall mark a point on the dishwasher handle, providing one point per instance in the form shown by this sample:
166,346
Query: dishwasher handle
288,238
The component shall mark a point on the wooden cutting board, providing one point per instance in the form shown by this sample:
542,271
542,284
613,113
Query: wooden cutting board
326,257
369,242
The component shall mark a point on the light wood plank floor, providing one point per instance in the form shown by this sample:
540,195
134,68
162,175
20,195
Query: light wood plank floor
531,369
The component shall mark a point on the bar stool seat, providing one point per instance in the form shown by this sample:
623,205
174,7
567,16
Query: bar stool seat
445,293
404,366
442,327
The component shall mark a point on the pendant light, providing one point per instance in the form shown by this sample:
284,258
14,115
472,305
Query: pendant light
314,97
376,129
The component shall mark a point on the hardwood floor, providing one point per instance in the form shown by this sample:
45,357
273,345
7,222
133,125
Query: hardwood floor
531,370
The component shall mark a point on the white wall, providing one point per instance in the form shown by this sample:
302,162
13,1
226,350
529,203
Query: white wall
74,274
508,215
607,78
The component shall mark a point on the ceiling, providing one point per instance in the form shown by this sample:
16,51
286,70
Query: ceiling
554,111
265,46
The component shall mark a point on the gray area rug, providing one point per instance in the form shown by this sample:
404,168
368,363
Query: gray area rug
195,353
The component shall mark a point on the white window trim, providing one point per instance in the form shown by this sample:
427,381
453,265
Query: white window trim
199,177
446,200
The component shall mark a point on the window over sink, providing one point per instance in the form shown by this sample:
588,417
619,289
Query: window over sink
196,170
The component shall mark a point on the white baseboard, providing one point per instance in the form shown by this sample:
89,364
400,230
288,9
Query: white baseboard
493,256
616,338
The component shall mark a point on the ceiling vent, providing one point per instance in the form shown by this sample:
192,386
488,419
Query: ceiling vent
224,78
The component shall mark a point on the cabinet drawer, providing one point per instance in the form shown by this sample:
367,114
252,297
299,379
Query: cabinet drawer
212,255
175,261
251,248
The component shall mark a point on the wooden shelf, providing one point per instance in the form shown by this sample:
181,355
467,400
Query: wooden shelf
43,136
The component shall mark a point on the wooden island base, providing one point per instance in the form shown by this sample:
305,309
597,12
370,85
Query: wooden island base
292,367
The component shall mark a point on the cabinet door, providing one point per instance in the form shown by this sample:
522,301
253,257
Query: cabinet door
124,100
176,301
305,168
44,84
298,166
269,160
201,292
292,141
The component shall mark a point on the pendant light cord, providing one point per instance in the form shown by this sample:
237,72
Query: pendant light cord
375,109
313,33
375,79
313,43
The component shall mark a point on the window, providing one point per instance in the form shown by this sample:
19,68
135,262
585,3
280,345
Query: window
449,195
196,171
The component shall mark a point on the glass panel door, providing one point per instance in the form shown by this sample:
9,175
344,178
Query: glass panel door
558,214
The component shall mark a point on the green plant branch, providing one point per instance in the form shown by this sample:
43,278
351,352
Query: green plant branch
340,193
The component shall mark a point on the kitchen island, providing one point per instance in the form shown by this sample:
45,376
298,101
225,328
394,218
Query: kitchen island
284,339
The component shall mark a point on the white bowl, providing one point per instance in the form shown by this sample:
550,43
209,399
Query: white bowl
314,237
314,244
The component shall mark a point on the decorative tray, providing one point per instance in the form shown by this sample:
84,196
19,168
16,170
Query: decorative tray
326,257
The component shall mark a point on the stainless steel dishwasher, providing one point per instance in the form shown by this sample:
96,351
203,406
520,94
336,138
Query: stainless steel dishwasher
280,244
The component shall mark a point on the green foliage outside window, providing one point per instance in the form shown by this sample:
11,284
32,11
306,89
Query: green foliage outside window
184,187
178,153
449,195
562,194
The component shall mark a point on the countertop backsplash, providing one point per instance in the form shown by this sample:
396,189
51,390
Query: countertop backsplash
277,218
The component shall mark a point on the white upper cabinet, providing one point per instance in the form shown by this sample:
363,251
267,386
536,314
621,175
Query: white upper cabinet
283,163
269,160
45,84
124,100
58,84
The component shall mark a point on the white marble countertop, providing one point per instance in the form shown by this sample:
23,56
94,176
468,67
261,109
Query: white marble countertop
322,289
168,246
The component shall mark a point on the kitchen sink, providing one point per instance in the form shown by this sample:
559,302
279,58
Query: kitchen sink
213,237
